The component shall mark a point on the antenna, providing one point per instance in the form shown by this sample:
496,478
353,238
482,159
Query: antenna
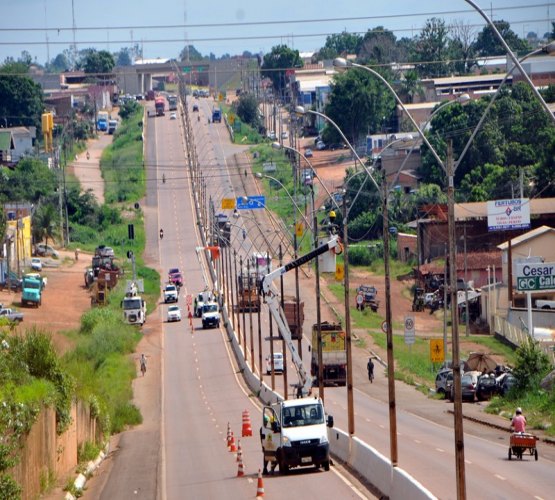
46,33
74,48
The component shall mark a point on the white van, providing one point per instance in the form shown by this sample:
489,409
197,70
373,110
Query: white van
278,363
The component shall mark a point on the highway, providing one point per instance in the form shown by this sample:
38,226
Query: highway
180,450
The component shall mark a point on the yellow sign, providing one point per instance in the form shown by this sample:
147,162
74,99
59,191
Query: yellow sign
436,351
339,271
220,97
299,229
228,203
231,118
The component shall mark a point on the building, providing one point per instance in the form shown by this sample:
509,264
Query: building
23,142
6,146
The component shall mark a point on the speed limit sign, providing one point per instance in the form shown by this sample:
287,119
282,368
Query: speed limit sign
360,299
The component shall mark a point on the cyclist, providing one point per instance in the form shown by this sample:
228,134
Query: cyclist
143,364
161,234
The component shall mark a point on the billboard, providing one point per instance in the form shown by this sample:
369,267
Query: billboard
504,215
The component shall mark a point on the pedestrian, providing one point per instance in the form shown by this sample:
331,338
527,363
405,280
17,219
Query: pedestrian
518,423
245,173
143,364
370,368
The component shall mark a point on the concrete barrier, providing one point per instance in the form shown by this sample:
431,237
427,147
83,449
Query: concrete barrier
372,465
405,486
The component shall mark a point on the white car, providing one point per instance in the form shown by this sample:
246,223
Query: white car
284,135
174,313
36,264
173,116
278,363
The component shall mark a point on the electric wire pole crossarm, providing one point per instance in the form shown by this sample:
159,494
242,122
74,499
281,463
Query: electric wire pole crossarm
272,299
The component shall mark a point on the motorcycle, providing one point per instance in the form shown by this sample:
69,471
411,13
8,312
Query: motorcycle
161,234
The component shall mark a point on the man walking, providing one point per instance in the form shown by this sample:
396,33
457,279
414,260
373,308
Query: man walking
370,367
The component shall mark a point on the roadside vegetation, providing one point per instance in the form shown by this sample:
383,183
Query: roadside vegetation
100,368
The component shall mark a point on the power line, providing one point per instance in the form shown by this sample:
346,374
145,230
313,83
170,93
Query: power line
266,23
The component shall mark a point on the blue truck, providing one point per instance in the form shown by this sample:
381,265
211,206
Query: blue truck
216,115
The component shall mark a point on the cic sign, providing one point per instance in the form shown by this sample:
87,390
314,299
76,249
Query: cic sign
536,276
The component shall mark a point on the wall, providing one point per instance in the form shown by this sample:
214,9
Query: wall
45,452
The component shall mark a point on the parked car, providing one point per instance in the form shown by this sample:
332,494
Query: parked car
308,153
173,116
505,383
487,387
320,145
284,135
174,313
469,382
46,251
271,135
104,251
442,378
195,108
278,363
11,314
307,177
36,264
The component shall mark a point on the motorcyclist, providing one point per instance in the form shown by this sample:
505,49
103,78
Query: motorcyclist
161,233
163,178
518,423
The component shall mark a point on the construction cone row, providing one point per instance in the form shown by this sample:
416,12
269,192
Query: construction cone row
239,451
247,428
232,447
260,485
228,436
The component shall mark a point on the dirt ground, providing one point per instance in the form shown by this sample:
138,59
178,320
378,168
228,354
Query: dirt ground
64,300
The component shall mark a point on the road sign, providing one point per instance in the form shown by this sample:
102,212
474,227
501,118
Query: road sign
410,333
535,276
339,272
437,354
189,299
360,301
299,229
228,203
251,203
384,326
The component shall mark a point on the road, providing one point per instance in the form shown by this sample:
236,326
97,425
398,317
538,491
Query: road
181,446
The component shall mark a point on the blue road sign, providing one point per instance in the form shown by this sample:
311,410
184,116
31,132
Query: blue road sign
251,203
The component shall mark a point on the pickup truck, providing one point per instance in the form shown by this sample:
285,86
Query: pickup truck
545,304
11,314
210,315
170,294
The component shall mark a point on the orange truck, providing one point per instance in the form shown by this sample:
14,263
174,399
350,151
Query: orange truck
334,354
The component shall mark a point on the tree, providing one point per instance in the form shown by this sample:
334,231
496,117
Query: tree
531,365
277,62
21,99
379,46
189,53
357,103
124,57
431,49
247,110
339,44
487,44
31,180
98,62
410,87
461,46
45,223
59,64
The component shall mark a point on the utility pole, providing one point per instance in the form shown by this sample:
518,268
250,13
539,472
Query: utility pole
459,436
318,315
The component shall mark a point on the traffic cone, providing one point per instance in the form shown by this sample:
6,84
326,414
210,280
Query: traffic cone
239,451
260,485
247,429
232,446
240,467
228,437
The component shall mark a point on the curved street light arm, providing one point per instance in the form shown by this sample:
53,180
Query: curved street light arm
398,99
513,57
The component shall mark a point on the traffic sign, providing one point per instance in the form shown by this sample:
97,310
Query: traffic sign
437,354
251,203
410,333
384,326
360,301
299,229
339,271
228,203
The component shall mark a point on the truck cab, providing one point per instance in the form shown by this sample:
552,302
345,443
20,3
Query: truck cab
134,310
294,434
32,290
216,115
210,315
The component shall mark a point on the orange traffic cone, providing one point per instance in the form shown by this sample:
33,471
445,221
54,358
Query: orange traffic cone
239,451
228,437
260,485
232,446
240,467
247,429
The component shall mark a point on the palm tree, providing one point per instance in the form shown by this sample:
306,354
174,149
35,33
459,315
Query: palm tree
410,86
45,223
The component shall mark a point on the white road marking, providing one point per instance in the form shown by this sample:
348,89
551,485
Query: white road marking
417,441
348,483
500,477
440,450
468,462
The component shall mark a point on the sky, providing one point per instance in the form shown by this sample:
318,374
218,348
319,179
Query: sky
44,27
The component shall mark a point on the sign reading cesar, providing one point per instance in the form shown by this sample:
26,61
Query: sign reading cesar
538,276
